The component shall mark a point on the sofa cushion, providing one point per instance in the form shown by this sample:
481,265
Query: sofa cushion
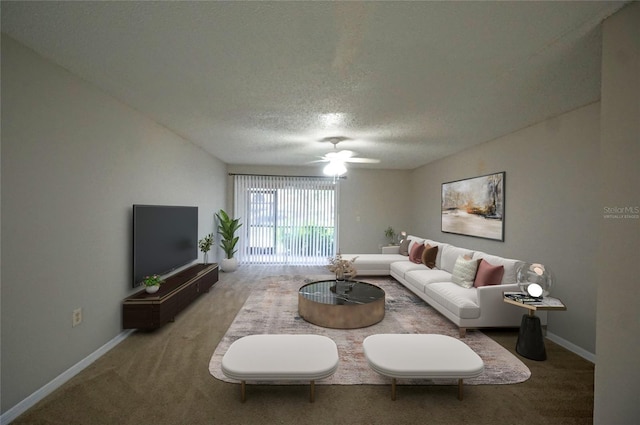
464,272
373,264
400,268
510,266
488,274
429,256
450,255
415,255
460,301
420,278
404,247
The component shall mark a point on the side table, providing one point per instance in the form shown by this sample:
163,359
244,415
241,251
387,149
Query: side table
390,249
530,339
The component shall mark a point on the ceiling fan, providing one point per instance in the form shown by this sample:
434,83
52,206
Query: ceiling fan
337,159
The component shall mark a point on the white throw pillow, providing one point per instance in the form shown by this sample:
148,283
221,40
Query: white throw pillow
450,254
464,272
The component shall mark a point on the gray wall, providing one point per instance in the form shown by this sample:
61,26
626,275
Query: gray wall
369,202
74,160
617,380
551,208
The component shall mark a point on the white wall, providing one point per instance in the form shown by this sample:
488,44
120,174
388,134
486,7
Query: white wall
551,208
74,160
617,377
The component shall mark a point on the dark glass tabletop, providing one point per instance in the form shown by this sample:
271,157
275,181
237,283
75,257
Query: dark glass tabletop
345,293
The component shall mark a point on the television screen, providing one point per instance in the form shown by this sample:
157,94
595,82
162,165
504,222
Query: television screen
164,238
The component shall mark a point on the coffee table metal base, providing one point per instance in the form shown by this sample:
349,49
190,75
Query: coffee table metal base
341,316
361,307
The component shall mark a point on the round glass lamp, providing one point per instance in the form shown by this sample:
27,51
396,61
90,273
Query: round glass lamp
535,279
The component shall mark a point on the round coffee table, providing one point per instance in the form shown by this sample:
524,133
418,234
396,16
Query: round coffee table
350,305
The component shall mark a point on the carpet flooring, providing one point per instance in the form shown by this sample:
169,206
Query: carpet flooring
272,308
162,378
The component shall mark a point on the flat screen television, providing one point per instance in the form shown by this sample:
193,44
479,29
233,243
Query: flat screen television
164,238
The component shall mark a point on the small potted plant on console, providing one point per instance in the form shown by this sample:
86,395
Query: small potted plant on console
152,283
205,245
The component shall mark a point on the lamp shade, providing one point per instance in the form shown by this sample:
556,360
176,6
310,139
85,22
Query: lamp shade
534,279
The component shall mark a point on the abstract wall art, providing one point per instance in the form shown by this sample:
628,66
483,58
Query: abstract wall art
474,206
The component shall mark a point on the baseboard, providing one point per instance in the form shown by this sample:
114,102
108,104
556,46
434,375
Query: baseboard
59,380
572,347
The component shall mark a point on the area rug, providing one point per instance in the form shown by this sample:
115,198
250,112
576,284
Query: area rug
272,308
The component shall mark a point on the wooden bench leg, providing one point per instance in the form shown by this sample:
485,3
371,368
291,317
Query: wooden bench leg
463,332
460,387
312,395
243,391
393,389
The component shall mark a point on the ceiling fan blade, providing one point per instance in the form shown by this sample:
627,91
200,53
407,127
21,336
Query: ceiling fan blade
339,155
343,155
363,160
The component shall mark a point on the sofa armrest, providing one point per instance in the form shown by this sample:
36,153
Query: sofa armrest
489,294
494,310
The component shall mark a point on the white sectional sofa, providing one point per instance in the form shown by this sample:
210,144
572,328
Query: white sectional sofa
464,303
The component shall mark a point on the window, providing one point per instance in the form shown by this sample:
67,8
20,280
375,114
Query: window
286,220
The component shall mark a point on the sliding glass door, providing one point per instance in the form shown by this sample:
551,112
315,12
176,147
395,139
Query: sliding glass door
286,220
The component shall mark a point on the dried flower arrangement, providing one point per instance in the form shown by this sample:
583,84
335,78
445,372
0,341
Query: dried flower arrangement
342,268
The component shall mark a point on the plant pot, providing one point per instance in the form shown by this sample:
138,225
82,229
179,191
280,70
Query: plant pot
229,264
152,289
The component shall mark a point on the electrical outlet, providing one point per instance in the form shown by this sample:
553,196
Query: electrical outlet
76,318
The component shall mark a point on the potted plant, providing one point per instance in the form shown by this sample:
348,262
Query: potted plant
227,228
152,283
205,245
390,234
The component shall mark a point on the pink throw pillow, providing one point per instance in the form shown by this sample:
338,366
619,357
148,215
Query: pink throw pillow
488,274
416,253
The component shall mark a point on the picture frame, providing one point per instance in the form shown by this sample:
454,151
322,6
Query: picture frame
474,206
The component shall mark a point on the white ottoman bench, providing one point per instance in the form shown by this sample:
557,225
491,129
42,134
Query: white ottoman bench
280,358
421,356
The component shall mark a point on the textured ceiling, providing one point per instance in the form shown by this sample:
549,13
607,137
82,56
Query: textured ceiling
261,82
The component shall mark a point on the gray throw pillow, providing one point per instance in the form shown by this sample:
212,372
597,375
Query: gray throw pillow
404,247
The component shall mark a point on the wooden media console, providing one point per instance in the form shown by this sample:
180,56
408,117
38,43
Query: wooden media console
151,311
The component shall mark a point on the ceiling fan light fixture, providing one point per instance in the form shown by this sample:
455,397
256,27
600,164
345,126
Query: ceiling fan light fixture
335,168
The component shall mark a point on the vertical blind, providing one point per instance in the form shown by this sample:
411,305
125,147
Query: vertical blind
286,220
